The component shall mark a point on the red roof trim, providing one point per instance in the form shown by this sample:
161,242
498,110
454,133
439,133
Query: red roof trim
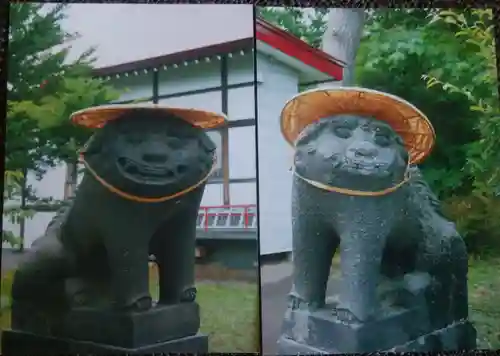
295,47
265,32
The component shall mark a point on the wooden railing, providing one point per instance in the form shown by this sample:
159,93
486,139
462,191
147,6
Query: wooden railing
227,217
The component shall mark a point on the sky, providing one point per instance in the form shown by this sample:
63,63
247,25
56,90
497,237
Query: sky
128,32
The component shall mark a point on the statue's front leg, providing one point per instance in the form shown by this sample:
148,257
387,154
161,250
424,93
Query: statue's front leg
360,261
460,265
129,273
444,255
313,248
174,249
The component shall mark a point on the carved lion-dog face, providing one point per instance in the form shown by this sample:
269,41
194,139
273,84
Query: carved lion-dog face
351,152
150,154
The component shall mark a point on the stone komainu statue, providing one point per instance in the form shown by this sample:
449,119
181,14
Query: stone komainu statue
145,174
356,190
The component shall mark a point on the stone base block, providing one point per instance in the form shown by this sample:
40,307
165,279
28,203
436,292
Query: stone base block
131,329
18,343
460,336
327,329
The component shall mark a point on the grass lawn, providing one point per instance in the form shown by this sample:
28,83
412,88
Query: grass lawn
228,314
484,301
228,309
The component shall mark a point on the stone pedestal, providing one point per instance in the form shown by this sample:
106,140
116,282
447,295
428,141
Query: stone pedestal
164,328
323,332
18,343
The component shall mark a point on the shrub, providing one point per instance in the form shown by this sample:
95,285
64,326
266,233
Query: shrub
6,290
477,219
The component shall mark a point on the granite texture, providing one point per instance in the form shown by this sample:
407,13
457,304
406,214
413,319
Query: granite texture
457,336
136,329
88,275
19,343
400,257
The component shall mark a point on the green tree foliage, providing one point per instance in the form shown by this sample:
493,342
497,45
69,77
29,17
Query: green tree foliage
35,69
44,88
12,191
400,46
307,24
476,82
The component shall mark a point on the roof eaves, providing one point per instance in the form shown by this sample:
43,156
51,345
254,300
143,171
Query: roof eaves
177,58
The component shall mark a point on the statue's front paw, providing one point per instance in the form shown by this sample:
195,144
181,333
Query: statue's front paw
79,299
295,301
345,315
188,295
143,303
77,292
139,304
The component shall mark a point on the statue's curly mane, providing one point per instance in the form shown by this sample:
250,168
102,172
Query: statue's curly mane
421,196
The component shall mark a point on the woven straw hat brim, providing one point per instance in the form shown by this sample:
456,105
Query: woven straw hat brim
96,117
405,119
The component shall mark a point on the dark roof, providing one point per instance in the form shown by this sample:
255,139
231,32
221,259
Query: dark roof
177,57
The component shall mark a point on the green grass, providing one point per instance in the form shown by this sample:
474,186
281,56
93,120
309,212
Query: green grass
228,309
229,316
228,313
484,301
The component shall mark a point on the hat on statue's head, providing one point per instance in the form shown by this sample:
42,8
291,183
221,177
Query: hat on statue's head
98,116
405,119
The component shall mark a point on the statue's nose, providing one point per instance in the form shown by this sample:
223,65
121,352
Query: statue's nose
154,157
363,149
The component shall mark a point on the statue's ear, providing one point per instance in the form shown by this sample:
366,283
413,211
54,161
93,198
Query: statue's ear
207,143
309,133
405,155
94,144
401,147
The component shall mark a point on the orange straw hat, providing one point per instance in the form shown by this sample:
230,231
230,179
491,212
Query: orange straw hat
410,123
97,116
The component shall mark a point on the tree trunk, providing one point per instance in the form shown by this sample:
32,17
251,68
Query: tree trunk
22,222
71,179
342,38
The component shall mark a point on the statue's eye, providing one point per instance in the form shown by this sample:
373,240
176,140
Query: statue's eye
311,149
382,139
133,139
175,143
342,131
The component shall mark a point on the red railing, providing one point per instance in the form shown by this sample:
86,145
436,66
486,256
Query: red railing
247,212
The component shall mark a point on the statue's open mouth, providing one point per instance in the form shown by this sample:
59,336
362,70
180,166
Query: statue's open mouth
365,168
137,171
